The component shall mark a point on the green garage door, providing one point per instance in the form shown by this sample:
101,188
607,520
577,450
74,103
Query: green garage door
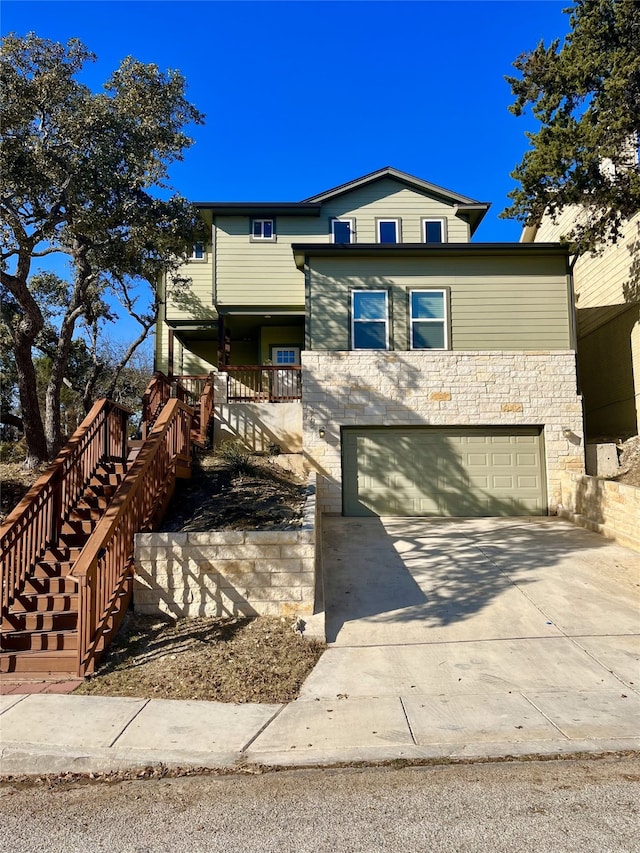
443,471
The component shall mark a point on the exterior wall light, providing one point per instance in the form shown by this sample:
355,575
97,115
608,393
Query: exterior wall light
321,432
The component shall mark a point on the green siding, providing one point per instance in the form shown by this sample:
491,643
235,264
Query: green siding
264,273
495,303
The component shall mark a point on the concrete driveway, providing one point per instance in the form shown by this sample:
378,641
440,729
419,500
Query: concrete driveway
436,607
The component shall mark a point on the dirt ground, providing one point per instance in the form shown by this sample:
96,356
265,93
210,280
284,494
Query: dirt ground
224,660
264,496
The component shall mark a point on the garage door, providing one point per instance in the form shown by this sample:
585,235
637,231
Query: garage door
443,472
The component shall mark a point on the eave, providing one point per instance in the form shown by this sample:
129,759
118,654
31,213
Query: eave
302,251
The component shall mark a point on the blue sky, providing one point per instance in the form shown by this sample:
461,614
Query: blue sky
303,96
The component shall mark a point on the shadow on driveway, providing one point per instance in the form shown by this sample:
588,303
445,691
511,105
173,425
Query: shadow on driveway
401,580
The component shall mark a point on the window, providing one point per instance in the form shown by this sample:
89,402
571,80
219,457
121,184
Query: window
343,230
433,231
285,355
198,252
428,318
388,230
263,229
370,316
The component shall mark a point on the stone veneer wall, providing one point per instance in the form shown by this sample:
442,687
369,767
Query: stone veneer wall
439,389
229,572
609,508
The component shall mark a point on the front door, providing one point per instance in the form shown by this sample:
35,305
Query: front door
286,383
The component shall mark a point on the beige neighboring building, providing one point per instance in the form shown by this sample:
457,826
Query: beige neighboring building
607,290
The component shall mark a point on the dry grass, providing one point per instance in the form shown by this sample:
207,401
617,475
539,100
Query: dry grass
225,660
15,482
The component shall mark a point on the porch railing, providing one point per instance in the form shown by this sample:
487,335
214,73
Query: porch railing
266,383
36,521
194,385
196,391
157,393
103,571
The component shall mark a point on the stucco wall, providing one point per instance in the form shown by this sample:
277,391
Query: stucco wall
439,389
257,425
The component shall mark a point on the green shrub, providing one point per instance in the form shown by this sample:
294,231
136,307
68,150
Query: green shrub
237,456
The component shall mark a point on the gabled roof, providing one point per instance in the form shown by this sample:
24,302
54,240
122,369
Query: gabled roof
467,208
463,206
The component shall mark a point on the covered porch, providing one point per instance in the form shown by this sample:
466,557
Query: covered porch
259,352
255,356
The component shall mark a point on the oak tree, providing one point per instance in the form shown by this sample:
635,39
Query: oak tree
85,175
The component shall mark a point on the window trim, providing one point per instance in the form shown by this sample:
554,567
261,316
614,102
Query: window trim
352,223
425,220
192,259
263,219
398,223
445,291
387,320
273,347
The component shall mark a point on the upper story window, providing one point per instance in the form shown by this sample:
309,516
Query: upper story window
388,230
343,230
263,229
369,319
198,253
434,231
429,319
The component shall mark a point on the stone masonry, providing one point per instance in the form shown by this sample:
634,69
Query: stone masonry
604,506
229,572
481,388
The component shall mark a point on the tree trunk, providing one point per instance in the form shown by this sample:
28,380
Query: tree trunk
58,370
31,418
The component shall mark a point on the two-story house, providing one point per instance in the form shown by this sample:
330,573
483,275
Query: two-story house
422,374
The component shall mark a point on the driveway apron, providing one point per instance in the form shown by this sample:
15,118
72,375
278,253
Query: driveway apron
475,607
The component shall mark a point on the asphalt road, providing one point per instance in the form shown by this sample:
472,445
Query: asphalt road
546,807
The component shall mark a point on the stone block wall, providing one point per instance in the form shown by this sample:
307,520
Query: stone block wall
606,507
229,572
439,389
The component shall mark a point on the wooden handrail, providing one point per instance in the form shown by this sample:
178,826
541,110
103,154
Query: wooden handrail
266,383
193,383
206,407
158,392
103,569
37,520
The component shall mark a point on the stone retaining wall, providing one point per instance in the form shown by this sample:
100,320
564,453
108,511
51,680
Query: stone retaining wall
229,572
609,508
439,389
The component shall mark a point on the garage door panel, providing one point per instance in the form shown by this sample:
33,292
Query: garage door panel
442,472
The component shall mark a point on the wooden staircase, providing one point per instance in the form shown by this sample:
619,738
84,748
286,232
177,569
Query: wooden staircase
39,631
67,548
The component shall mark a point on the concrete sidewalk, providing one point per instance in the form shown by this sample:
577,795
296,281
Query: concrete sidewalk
56,733
450,639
